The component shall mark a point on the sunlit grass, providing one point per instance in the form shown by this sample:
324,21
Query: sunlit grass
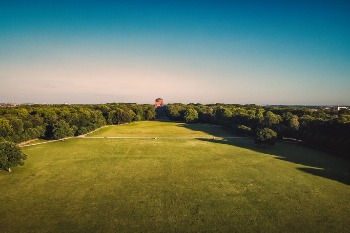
162,129
183,185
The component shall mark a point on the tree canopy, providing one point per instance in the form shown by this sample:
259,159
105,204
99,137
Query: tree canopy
61,129
324,128
266,136
190,115
11,155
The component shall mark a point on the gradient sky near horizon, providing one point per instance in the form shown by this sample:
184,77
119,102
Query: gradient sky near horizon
262,52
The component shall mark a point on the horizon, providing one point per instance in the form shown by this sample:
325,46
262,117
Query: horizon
187,103
89,52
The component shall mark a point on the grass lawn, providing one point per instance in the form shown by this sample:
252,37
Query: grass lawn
162,129
181,185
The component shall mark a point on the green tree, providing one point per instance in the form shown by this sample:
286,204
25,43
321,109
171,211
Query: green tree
61,129
139,113
287,116
17,126
271,119
22,113
105,109
112,117
266,136
174,111
244,130
120,116
11,155
294,123
115,117
5,129
222,115
131,115
150,113
191,115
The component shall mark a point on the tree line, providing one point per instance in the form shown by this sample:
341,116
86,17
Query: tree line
18,124
323,128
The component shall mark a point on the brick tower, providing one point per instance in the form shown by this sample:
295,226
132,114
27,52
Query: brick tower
159,103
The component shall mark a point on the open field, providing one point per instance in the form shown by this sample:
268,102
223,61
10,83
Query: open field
182,185
162,129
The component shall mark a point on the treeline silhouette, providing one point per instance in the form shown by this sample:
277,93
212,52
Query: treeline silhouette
322,128
18,124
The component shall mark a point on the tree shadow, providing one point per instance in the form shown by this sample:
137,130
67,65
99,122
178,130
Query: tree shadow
319,163
316,162
161,115
212,130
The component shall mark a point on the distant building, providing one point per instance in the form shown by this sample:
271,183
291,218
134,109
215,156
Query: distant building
9,104
159,103
337,108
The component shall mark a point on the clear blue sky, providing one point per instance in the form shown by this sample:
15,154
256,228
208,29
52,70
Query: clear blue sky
262,52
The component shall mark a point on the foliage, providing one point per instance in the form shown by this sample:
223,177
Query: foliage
244,130
61,129
293,123
190,115
120,116
266,136
11,155
175,111
223,114
150,113
323,128
271,119
5,129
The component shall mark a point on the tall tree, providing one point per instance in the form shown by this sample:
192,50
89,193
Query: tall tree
5,128
11,155
294,123
271,119
191,115
61,129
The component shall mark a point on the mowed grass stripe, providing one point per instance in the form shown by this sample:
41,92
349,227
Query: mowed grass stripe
162,129
185,185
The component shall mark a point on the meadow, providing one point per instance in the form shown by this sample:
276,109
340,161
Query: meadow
183,178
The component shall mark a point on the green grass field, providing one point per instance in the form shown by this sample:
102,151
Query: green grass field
163,129
174,185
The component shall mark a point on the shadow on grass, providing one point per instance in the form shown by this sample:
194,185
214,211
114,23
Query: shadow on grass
214,130
318,163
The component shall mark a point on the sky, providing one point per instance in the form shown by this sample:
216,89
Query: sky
245,52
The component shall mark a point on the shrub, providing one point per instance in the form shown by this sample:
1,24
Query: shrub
266,136
244,130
